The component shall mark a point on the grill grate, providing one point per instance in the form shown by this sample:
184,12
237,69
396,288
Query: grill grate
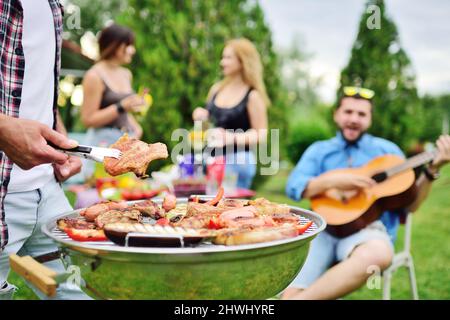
61,235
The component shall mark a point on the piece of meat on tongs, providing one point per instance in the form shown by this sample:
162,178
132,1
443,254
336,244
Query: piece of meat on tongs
136,156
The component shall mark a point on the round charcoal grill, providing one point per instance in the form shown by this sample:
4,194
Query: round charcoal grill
205,271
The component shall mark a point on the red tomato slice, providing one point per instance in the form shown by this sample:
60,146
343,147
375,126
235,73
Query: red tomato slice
163,222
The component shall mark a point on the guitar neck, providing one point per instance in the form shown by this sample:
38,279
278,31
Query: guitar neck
412,162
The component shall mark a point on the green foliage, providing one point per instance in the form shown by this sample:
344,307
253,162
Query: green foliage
437,112
378,62
304,133
301,87
430,230
93,16
179,46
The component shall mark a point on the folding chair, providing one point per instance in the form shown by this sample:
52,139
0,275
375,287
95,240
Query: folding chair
402,259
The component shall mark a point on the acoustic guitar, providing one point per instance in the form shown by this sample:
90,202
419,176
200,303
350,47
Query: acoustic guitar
347,212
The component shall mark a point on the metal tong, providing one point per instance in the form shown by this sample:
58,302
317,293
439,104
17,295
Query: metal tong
88,152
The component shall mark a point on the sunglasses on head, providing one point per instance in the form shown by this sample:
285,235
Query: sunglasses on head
357,91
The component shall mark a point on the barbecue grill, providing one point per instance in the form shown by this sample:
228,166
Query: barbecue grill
206,271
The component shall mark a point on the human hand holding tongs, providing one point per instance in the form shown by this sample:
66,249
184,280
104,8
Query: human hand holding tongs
88,152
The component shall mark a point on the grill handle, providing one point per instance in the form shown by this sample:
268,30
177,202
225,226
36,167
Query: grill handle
36,273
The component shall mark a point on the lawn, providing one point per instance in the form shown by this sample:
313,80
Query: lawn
431,227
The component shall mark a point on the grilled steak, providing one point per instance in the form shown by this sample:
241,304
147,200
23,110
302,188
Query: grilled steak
286,218
148,208
92,212
250,235
169,203
136,156
199,222
75,223
201,209
231,203
265,207
113,216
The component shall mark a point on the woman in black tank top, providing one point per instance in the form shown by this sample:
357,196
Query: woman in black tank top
108,96
237,106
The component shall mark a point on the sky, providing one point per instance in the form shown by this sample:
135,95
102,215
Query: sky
328,29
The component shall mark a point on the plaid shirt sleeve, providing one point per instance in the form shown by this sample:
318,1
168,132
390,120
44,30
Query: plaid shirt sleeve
12,68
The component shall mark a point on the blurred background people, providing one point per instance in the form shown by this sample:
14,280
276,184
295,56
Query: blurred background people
238,102
109,99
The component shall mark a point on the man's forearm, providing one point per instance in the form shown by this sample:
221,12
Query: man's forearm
423,186
316,186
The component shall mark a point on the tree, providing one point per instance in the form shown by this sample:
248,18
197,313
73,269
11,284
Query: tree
300,85
307,115
378,62
92,15
436,116
179,45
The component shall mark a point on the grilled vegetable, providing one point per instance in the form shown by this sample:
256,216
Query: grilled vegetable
159,230
301,229
86,234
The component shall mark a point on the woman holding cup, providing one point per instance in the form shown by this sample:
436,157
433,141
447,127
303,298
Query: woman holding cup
237,106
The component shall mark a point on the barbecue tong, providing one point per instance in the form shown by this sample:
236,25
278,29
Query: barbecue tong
88,152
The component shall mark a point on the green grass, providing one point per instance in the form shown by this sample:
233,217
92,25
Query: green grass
430,231
431,255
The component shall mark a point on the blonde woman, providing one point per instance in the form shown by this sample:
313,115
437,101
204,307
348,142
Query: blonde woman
237,106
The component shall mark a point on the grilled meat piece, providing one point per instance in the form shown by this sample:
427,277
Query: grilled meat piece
240,236
148,208
75,223
169,203
248,212
199,222
112,216
136,156
202,209
176,214
92,212
265,207
248,222
244,217
231,203
286,218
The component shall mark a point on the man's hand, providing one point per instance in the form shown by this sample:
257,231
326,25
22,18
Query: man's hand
25,143
348,181
443,145
200,114
68,169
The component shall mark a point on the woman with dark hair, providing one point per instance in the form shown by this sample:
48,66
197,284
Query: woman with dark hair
108,95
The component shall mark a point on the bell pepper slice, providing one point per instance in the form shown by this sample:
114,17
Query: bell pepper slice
302,228
86,235
214,223
162,222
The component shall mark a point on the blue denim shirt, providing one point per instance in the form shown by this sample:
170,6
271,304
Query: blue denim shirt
336,153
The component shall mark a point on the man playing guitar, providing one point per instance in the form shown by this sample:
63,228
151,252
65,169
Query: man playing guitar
337,266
